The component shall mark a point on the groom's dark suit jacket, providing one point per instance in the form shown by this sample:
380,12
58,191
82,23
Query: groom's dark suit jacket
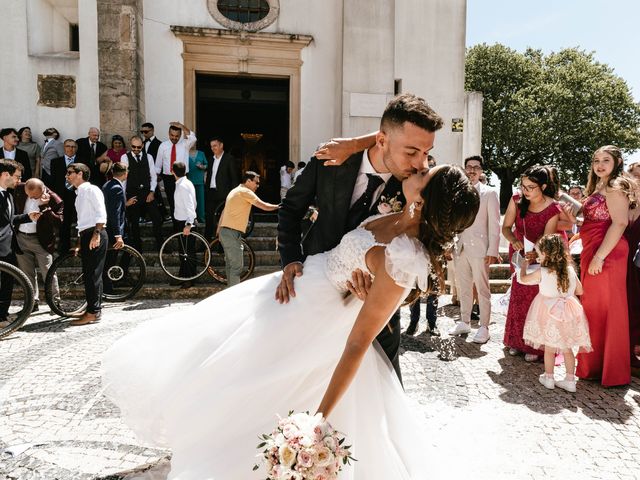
330,189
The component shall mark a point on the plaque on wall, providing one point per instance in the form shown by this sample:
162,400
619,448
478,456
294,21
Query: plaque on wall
57,91
457,124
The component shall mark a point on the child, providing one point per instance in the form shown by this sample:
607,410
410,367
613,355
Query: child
556,320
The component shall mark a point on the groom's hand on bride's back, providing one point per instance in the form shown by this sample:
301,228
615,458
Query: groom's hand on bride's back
360,284
285,288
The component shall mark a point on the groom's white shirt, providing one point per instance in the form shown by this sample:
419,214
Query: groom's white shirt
362,180
482,238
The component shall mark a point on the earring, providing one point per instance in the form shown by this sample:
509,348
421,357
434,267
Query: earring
412,209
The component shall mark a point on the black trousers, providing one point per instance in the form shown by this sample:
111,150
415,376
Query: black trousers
213,199
170,189
6,287
389,340
68,219
432,311
92,268
137,211
187,268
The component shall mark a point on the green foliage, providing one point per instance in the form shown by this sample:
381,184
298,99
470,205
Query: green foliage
554,109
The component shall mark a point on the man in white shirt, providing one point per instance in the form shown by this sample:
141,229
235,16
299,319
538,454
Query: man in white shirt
184,217
92,220
286,178
176,149
475,250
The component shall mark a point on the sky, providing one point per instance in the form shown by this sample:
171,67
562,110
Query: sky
607,28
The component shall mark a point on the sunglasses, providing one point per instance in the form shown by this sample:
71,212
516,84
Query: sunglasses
69,173
136,147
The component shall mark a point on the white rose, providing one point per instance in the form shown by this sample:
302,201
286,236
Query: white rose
384,208
287,455
330,443
324,457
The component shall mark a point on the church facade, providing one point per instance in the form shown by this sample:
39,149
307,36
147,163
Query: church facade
273,78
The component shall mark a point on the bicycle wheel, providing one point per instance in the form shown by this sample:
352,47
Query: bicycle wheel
250,223
124,273
217,265
184,257
22,298
64,286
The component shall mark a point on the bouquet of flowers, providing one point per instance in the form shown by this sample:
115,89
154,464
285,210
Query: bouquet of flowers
389,205
303,447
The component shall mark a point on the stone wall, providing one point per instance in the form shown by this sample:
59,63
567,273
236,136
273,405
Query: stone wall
120,60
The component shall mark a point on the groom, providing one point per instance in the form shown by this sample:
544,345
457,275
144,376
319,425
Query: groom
348,194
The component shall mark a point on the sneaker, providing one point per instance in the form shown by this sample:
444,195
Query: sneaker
434,331
530,357
568,385
548,382
513,352
482,335
460,329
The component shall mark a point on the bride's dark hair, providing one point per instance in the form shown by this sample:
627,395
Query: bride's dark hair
451,203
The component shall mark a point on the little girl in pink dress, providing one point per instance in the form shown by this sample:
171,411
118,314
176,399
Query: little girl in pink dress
556,321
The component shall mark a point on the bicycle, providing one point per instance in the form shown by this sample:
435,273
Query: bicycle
250,223
185,257
21,304
217,263
124,274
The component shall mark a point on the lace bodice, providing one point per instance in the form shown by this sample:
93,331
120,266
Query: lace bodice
406,260
595,208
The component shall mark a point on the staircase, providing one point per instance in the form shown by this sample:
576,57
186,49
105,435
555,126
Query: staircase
263,242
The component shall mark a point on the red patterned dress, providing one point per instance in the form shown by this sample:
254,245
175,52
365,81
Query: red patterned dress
522,295
604,300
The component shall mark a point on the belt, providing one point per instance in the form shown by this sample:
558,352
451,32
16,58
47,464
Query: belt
86,230
26,233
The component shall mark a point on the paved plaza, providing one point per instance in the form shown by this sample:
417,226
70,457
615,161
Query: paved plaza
488,415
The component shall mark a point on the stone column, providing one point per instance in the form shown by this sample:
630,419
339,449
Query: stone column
472,124
120,67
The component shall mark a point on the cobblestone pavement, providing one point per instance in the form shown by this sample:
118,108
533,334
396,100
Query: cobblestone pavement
489,417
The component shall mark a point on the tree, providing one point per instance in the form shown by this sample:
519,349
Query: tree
554,109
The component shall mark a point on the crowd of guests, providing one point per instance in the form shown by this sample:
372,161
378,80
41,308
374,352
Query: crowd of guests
544,319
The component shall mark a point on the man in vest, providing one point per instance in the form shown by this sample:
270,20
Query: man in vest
140,187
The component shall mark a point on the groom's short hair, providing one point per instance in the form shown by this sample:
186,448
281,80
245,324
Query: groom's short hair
408,107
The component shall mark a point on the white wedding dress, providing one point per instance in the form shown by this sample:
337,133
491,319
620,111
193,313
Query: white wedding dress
207,382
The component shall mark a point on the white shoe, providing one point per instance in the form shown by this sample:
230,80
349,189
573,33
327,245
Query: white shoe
568,385
460,329
482,335
548,382
530,357
513,352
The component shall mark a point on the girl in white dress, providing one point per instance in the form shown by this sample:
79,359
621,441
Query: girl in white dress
556,319
206,383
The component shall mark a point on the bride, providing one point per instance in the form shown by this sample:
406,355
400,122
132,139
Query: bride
207,382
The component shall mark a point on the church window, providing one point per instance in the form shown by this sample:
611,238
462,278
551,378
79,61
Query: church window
244,11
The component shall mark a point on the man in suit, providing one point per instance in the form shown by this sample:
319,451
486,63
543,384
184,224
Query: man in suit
65,189
10,151
475,251
151,146
37,240
222,177
92,152
116,204
9,177
346,195
51,149
140,188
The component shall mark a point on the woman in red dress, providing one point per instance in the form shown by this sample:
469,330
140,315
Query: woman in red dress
603,267
534,214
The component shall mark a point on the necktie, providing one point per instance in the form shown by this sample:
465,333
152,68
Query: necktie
67,185
5,200
173,157
137,158
362,206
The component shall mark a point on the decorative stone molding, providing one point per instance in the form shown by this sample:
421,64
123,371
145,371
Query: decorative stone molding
225,52
274,11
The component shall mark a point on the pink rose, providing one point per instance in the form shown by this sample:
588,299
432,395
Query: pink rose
305,459
384,208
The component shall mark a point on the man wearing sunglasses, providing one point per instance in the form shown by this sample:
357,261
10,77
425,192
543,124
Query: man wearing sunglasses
140,189
233,223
